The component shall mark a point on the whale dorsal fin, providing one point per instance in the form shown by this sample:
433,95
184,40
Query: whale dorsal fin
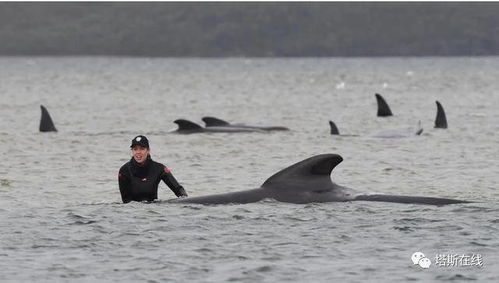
419,129
383,108
46,123
186,125
313,168
440,120
214,122
334,129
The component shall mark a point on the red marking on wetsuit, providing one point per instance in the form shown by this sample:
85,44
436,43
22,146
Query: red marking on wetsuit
167,171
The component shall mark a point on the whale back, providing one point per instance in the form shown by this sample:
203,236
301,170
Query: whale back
214,122
46,123
186,125
409,199
383,108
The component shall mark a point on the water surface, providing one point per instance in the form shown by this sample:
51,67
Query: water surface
60,210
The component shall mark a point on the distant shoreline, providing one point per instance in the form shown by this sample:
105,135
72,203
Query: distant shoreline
249,29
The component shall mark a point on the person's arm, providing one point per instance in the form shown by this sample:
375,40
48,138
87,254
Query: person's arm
124,183
172,183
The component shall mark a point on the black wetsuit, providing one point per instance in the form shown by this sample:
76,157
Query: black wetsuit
140,183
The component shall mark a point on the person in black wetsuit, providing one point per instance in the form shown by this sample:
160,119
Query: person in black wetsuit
139,178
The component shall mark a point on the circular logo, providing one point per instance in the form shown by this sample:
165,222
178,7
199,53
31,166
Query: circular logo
418,258
424,262
138,139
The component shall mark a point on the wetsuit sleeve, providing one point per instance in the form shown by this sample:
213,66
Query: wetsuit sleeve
172,183
125,185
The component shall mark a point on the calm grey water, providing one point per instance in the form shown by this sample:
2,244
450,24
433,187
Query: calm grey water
60,213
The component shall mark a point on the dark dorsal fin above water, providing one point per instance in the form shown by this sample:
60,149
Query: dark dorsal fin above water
383,108
214,122
334,129
46,123
319,166
440,120
186,125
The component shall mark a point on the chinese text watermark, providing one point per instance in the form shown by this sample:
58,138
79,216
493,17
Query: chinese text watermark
448,260
458,260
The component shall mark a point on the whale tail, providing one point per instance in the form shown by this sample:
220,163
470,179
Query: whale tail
46,123
440,120
334,129
186,125
214,122
383,108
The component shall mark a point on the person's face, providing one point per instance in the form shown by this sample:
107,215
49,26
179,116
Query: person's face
140,153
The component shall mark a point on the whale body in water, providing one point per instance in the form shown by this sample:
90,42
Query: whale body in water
309,181
188,127
216,122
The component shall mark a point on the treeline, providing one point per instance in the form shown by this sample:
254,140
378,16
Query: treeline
212,29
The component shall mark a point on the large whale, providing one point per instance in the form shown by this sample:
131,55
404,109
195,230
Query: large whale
383,108
216,122
46,123
188,127
309,181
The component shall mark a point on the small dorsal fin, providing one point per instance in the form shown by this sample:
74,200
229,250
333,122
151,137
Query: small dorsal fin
440,120
214,122
186,125
319,166
46,123
419,129
334,129
383,108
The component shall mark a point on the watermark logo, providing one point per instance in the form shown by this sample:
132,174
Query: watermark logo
420,259
448,260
